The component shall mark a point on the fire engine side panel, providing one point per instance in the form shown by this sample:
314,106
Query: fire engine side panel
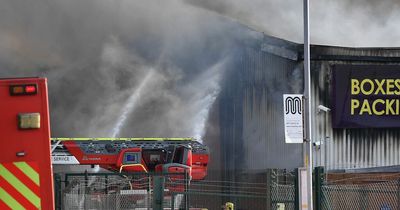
25,160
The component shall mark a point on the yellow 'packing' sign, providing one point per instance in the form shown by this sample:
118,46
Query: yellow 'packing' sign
366,96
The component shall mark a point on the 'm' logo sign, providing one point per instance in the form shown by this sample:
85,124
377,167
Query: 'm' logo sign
293,105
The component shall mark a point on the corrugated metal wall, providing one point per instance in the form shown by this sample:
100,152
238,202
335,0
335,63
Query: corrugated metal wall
349,148
251,115
251,110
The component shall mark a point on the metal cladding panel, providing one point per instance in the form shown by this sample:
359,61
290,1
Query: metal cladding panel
349,148
251,112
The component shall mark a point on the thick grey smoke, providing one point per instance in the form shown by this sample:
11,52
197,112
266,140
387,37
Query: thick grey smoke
97,53
366,23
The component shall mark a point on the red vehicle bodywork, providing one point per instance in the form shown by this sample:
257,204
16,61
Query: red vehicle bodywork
193,161
25,158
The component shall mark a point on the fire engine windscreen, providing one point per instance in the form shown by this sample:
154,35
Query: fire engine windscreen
130,158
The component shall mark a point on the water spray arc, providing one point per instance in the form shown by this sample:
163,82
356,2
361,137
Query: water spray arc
131,104
206,97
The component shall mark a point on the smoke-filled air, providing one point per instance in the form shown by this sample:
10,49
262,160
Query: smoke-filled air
119,68
128,68
358,23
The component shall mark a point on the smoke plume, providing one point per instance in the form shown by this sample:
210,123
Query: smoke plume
359,23
96,55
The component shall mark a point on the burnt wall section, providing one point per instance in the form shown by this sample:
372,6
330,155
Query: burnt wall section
250,108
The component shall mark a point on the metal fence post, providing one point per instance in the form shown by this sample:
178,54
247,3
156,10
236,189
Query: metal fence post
158,192
269,194
172,201
86,190
57,191
319,178
398,194
148,198
187,182
296,190
106,183
66,183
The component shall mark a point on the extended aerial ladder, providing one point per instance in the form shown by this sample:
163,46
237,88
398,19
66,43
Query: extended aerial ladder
168,155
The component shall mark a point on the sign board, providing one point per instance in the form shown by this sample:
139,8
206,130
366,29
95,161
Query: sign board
293,118
366,96
64,160
133,192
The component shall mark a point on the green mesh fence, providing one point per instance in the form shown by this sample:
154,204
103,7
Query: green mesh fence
117,191
283,189
384,195
272,189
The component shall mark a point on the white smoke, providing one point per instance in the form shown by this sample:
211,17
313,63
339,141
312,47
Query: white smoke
96,52
359,23
96,55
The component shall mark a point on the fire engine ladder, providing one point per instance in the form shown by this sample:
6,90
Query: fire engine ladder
60,155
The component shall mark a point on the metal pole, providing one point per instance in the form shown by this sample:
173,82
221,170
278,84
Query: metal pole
158,192
308,157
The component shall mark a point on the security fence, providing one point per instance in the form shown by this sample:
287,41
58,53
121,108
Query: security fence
271,190
383,195
360,191
105,191
211,194
120,191
283,189
174,191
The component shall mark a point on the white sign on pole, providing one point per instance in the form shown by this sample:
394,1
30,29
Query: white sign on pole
293,117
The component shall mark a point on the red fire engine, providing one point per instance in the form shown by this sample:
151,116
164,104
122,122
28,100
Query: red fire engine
27,151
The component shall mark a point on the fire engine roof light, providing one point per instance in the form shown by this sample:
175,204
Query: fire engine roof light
24,89
18,90
30,88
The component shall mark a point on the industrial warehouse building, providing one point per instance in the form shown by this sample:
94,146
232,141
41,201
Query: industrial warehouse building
245,130
356,143
249,110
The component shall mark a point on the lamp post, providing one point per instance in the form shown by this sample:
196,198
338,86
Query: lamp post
308,159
